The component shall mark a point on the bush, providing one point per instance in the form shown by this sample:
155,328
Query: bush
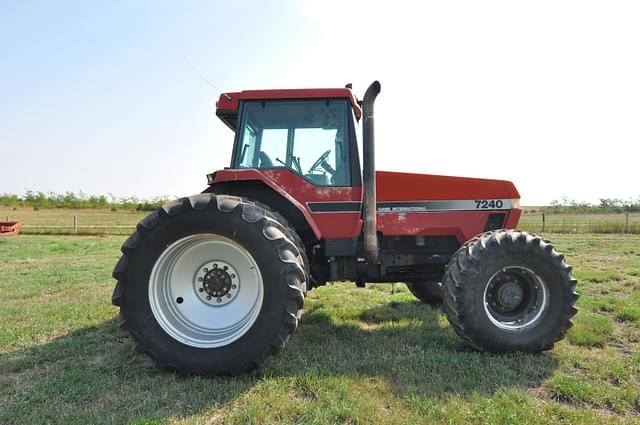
37,200
607,205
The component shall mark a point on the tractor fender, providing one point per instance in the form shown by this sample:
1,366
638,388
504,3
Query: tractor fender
255,185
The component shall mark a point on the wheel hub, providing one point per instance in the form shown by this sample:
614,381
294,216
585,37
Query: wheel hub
515,298
216,283
211,315
510,295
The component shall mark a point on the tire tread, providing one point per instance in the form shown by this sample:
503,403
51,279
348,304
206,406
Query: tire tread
469,260
289,247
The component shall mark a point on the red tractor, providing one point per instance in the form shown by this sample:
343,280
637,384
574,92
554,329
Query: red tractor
215,283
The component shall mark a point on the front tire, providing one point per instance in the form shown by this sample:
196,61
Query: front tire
210,284
430,292
509,290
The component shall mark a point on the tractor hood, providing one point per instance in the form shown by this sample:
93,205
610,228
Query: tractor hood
404,187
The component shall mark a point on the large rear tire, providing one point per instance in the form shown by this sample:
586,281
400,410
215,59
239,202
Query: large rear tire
509,290
210,284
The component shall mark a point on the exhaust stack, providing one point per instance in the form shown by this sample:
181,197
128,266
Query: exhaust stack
369,174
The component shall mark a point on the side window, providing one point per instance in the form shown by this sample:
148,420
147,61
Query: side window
320,146
248,148
273,147
315,148
306,137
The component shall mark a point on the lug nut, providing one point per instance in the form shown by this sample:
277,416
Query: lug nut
228,295
199,279
215,266
219,300
233,286
208,297
205,270
201,289
233,276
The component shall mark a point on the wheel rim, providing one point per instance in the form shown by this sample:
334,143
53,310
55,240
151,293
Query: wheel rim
515,298
205,290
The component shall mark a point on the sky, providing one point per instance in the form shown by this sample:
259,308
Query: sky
108,97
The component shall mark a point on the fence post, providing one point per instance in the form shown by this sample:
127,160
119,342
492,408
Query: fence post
75,224
626,222
544,223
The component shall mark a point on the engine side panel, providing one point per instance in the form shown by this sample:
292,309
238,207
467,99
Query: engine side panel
464,225
394,186
408,204
431,205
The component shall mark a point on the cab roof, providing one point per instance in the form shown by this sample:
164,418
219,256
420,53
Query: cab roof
228,103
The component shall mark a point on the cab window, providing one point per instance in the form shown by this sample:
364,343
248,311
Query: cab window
306,137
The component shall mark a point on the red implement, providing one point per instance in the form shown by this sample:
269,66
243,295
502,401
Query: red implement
10,228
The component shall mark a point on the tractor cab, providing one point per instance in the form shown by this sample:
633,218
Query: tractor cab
309,132
312,138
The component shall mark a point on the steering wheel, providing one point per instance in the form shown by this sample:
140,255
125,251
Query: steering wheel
319,161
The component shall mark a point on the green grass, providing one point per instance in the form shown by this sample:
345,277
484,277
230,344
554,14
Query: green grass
629,314
592,330
360,356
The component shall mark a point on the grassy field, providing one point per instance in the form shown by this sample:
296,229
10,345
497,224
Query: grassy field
122,222
359,356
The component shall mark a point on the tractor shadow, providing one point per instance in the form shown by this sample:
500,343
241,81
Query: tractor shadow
92,374
412,348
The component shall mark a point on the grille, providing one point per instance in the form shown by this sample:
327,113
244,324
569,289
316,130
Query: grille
495,221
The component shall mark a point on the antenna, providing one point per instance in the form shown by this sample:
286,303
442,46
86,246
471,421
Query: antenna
202,77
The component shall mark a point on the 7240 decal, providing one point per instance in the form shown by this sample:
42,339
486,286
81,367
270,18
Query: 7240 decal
488,204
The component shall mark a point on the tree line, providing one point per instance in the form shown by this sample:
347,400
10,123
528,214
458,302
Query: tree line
70,200
606,205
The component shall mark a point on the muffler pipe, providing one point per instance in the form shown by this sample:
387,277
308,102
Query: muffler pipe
369,174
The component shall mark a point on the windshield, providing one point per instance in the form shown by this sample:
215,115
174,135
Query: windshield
307,137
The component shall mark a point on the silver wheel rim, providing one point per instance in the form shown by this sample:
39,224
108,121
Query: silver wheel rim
205,290
531,307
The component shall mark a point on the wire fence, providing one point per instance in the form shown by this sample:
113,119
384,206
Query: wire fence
97,222
78,230
581,223
80,222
